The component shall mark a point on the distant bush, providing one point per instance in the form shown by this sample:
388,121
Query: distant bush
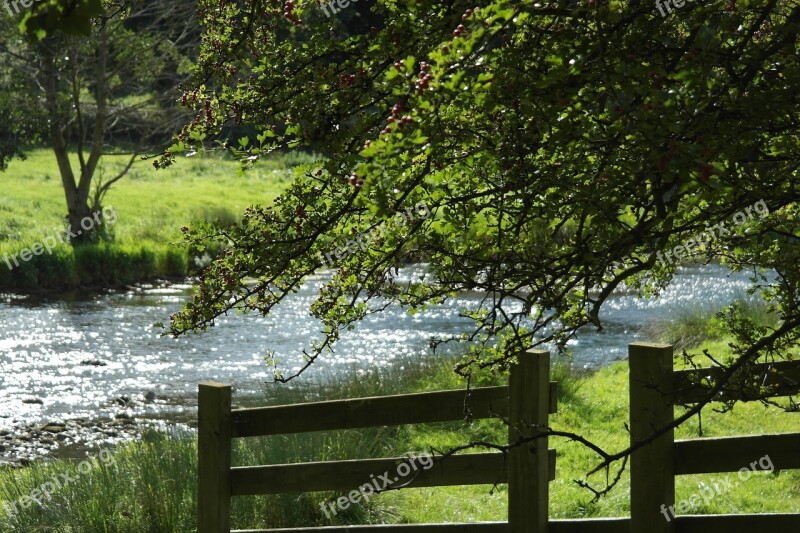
689,328
215,214
92,266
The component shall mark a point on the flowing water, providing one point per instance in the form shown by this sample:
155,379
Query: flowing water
68,357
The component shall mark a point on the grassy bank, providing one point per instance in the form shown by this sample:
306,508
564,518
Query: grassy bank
150,206
152,487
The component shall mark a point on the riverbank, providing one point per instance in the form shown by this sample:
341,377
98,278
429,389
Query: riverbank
149,208
152,486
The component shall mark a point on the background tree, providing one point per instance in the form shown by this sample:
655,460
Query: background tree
560,147
113,92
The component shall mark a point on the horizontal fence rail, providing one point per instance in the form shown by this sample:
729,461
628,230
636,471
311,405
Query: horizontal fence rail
588,525
485,527
782,379
462,469
397,410
737,523
729,454
746,523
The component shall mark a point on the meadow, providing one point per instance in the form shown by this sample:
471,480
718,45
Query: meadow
150,208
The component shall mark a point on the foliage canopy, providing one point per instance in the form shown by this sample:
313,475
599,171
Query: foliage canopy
560,147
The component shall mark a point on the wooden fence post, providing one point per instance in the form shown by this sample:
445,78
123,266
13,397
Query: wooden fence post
652,467
214,436
528,465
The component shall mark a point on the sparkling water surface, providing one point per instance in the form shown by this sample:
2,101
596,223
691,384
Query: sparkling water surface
63,358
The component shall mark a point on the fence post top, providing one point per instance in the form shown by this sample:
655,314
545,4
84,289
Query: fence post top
533,352
532,356
213,385
657,345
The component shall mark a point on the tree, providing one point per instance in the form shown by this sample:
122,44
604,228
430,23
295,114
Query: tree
114,92
565,150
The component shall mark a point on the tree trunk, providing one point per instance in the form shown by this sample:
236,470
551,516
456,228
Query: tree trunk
82,224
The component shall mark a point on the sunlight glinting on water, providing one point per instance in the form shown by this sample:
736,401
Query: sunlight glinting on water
75,356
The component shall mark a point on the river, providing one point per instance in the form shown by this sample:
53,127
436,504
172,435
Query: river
72,356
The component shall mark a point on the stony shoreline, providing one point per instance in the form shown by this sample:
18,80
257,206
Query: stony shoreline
26,442
21,445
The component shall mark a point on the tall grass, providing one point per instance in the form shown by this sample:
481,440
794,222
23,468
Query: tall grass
150,486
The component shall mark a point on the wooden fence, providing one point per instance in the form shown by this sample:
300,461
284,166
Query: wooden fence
526,402
655,389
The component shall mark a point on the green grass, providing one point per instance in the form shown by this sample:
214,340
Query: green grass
153,473
153,488
689,328
151,206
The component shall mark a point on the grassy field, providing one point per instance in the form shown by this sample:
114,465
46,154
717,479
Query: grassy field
151,206
152,488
